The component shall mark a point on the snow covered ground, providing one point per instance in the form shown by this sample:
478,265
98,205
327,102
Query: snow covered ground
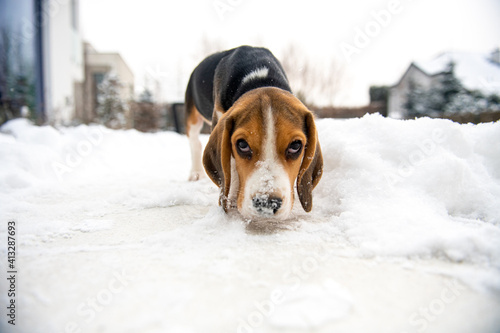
404,235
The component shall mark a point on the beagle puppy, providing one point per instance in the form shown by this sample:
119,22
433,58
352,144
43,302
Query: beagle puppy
263,138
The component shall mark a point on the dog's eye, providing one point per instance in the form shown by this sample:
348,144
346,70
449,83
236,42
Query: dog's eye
243,148
294,149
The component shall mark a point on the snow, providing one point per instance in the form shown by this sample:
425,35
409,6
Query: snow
474,70
404,235
312,306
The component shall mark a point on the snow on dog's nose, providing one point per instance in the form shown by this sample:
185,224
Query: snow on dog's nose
267,192
267,205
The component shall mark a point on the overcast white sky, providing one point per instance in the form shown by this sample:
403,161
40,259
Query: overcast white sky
162,40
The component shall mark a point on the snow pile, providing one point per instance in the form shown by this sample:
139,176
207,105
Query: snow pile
428,188
100,206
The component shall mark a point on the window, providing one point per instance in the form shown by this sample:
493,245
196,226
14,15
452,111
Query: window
20,83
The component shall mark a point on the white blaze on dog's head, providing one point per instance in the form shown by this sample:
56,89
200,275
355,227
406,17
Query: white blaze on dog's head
267,192
265,143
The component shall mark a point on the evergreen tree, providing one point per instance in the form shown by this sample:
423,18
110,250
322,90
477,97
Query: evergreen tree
146,96
416,104
110,106
450,85
472,102
435,100
380,94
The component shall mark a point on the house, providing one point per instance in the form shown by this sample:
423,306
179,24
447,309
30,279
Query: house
475,72
41,58
47,73
97,66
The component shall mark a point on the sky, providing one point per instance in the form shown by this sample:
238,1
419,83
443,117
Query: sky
371,41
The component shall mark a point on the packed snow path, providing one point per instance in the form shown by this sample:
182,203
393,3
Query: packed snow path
404,235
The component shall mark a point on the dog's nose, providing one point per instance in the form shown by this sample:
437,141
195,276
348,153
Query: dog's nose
267,204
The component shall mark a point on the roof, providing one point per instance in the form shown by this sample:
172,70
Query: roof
412,65
474,70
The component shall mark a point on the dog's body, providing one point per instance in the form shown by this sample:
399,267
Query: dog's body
263,138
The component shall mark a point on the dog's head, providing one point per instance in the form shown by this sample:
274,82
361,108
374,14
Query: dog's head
264,143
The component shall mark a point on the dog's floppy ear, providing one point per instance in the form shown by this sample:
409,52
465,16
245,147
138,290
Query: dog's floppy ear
217,158
312,164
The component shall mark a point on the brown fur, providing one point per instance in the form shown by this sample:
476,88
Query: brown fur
244,120
193,118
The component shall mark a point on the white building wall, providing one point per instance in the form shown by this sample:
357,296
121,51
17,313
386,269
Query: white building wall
113,63
64,60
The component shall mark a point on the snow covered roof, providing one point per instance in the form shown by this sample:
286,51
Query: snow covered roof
476,71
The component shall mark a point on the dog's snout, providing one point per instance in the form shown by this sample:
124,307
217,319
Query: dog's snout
267,205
